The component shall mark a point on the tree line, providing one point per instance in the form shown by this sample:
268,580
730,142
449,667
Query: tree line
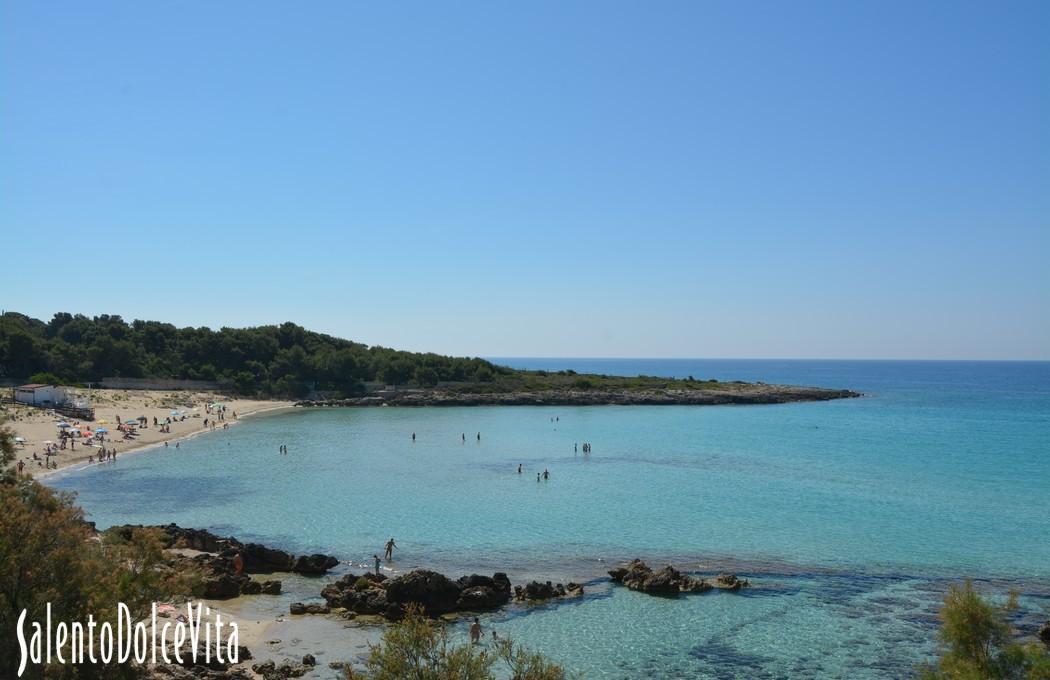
279,360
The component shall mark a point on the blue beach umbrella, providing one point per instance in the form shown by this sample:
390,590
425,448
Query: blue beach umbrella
101,429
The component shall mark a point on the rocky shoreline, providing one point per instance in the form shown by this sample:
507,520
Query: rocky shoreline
726,393
368,594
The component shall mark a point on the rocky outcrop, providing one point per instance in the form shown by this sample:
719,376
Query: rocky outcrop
534,591
478,592
314,565
435,593
256,558
269,670
1044,633
669,582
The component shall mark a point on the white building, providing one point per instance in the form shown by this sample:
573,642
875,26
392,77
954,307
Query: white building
40,395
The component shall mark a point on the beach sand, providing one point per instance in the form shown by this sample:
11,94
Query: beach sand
37,425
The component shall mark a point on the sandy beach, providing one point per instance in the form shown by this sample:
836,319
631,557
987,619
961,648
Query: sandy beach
38,426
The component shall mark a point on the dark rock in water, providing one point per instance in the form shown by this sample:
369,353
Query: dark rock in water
300,608
314,564
259,559
433,591
730,582
1044,633
271,587
668,582
534,591
309,660
483,592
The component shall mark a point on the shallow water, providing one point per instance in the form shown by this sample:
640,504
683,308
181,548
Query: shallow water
850,516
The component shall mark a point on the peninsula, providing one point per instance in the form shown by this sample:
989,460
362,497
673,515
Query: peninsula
288,362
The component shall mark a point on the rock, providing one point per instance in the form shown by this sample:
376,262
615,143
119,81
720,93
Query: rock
309,660
730,582
1044,633
482,592
534,591
271,587
299,608
259,559
251,588
314,564
433,591
668,582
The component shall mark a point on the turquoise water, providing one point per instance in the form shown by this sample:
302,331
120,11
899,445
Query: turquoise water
850,516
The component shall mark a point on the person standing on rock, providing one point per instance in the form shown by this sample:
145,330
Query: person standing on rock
238,564
376,557
390,545
475,631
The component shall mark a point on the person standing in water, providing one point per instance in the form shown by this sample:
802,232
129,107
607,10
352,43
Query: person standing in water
546,474
519,468
390,545
475,631
413,437
464,435
537,476
479,436
376,558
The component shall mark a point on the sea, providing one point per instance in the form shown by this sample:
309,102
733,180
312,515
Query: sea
850,518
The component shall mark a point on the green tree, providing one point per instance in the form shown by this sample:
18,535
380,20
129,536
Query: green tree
977,643
418,648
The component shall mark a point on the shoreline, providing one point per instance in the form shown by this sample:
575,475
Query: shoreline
144,447
39,426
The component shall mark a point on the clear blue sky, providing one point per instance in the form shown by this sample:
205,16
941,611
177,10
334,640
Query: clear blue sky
738,179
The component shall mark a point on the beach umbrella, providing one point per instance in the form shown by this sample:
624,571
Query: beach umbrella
63,425
47,441
85,433
103,422
174,413
20,440
100,429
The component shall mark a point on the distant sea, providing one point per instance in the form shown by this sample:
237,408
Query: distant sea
850,517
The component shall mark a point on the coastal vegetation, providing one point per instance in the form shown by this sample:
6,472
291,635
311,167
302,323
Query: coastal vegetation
285,360
49,554
290,361
418,647
978,642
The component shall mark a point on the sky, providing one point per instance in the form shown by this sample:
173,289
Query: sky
636,179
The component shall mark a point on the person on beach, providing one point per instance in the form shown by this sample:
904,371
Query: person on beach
238,564
376,558
22,466
390,545
475,631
